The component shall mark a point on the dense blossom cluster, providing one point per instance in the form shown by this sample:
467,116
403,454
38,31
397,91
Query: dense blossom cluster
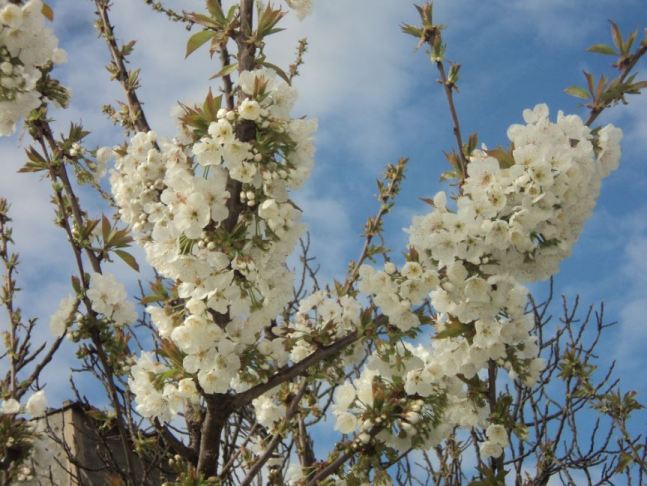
109,297
26,46
322,317
176,196
377,404
514,220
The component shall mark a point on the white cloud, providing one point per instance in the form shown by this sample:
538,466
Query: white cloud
632,333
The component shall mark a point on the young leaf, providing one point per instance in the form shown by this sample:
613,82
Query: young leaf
277,70
577,92
630,42
47,12
128,259
76,284
197,40
216,11
225,70
617,36
603,49
35,163
411,30
504,156
105,230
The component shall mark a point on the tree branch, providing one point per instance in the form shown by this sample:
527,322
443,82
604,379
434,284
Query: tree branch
135,106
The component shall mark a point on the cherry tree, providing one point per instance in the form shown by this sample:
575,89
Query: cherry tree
440,369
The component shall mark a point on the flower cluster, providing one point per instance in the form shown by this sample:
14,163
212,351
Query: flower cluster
213,214
516,217
395,292
380,406
36,405
497,439
63,316
322,318
109,297
163,400
26,46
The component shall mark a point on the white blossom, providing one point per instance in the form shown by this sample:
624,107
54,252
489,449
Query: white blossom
26,45
10,406
61,318
37,404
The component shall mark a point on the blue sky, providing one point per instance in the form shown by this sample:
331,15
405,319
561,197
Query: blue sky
376,99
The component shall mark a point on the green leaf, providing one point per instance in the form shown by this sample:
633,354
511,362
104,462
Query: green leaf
339,288
616,35
225,71
504,156
590,82
577,92
128,259
603,49
267,21
216,11
450,175
472,143
105,230
119,239
36,162
427,200
203,20
453,329
411,30
76,284
127,49
624,461
277,70
635,87
630,42
210,108
133,79
197,40
186,245
231,12
76,133
602,83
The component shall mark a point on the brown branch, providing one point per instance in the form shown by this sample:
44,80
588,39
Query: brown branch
255,469
224,61
289,372
10,261
175,444
56,170
232,460
33,377
122,75
304,444
170,13
219,407
497,462
330,468
449,89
